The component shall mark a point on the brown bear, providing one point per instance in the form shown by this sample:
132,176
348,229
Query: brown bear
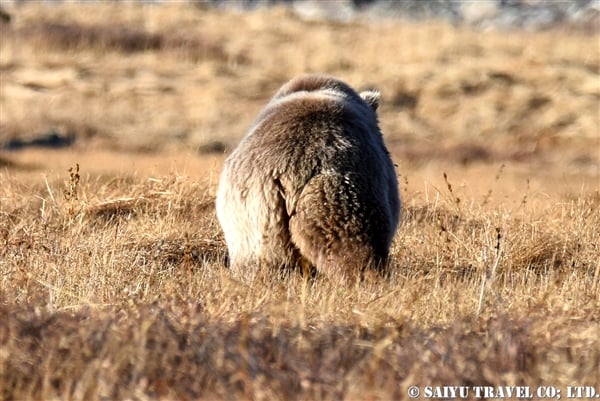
311,184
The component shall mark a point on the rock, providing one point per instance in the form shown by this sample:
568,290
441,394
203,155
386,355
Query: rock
51,139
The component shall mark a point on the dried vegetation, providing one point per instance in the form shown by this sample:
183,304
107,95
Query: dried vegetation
113,269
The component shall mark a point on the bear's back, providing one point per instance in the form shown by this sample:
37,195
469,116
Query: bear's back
310,131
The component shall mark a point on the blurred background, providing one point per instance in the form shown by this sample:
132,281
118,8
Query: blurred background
463,82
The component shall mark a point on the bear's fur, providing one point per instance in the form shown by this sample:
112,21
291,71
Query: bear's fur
311,184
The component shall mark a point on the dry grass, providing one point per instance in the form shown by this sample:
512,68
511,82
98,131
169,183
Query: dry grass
113,278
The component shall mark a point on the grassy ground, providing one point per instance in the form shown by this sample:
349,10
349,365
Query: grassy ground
113,278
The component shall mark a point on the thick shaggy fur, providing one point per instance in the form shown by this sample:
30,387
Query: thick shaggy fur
311,184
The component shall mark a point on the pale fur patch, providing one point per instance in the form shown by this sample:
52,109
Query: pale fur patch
372,97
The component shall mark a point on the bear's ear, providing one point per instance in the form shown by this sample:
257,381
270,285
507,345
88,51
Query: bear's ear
372,98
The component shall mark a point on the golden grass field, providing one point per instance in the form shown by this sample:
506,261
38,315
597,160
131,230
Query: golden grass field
113,276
